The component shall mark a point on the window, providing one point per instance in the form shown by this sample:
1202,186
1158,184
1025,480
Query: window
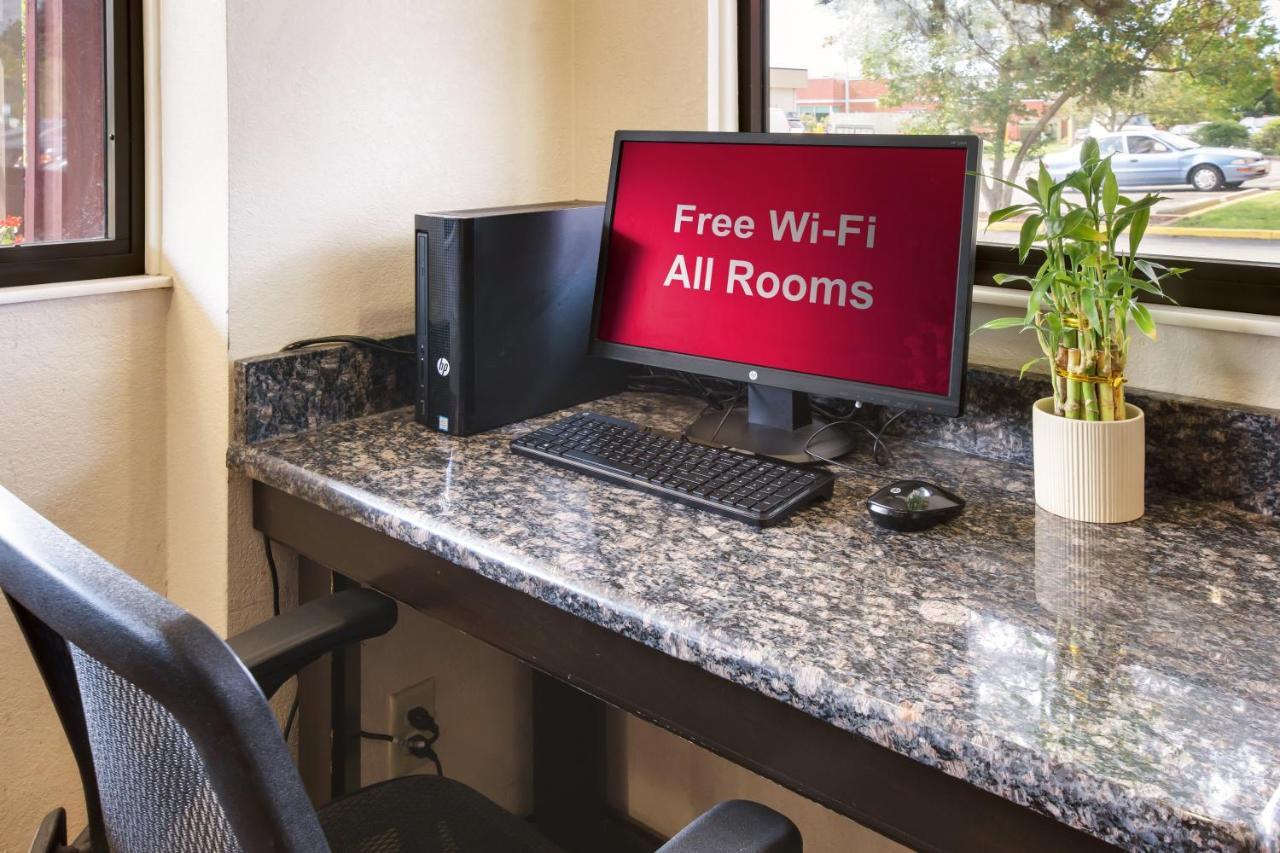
71,173
1146,145
1109,145
1184,93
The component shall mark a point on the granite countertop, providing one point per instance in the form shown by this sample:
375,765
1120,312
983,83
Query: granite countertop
1123,679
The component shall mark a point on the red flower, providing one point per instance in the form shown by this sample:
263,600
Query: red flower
12,221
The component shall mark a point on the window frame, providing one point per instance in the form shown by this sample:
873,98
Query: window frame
1250,287
122,253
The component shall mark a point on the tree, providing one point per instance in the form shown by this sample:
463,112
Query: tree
1223,134
983,66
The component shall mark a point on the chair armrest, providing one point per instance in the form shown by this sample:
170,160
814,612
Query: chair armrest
51,837
737,826
275,650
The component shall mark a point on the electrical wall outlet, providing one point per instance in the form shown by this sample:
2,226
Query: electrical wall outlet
400,762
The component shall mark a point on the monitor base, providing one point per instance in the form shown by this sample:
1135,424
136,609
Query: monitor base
789,445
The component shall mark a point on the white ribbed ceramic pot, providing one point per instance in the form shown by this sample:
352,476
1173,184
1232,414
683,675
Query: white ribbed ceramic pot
1089,470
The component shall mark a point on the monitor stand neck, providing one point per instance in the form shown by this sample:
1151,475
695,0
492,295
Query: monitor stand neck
776,423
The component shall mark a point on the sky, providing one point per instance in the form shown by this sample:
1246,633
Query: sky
797,29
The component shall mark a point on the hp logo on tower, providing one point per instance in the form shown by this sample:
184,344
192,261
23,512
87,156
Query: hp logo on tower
442,366
752,375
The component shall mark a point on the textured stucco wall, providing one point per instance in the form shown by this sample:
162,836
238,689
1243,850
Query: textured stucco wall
636,66
193,161
82,420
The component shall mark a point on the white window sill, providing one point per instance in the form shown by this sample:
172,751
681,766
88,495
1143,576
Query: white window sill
1172,315
91,287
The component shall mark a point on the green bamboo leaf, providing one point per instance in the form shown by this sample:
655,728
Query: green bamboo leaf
1143,318
1030,364
1028,235
1139,227
1150,269
1006,212
1086,232
1001,323
1110,190
1071,221
1146,201
1005,278
1044,184
1089,151
1090,305
1037,294
1142,284
1119,224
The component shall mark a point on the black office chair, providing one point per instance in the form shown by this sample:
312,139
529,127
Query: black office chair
179,751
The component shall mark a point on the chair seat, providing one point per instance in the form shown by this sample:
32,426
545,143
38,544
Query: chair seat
425,814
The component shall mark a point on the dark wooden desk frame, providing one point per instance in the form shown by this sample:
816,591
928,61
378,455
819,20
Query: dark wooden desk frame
585,667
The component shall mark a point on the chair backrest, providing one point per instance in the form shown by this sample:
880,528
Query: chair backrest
175,743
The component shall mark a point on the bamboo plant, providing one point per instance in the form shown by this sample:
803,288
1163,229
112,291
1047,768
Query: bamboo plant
1085,293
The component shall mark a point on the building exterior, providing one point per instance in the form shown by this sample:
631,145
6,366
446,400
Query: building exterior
784,83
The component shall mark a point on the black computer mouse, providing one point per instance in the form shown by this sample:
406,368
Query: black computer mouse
913,505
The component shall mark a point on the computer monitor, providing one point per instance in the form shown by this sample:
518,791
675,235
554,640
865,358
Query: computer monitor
836,265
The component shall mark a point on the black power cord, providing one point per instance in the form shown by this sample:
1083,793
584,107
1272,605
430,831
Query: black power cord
275,611
877,445
420,744
354,340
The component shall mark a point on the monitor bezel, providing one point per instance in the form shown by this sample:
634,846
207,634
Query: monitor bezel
950,404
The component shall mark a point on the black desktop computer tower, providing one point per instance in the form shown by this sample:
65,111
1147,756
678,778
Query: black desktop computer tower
503,307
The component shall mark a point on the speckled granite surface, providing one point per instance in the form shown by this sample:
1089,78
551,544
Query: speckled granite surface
286,392
289,392
1125,680
1198,448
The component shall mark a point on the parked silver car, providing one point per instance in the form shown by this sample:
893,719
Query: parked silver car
1145,158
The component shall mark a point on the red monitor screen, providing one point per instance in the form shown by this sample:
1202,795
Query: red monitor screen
833,260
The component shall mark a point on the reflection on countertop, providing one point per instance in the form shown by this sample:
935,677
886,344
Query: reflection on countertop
1123,679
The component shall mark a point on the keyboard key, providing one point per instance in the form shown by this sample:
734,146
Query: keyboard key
620,467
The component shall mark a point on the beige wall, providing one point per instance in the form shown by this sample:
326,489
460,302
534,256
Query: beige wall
194,213
344,123
82,417
636,66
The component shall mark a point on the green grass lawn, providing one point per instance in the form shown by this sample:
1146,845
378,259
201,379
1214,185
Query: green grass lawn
1258,212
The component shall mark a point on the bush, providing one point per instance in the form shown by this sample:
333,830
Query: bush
1267,140
1222,134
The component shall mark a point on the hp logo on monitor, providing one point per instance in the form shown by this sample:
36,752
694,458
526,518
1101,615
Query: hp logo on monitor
752,375
442,366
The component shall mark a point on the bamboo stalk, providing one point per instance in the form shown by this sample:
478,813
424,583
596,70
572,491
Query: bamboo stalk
1074,408
1106,397
1060,381
1089,391
1117,361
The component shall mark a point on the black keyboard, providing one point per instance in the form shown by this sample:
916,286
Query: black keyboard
754,489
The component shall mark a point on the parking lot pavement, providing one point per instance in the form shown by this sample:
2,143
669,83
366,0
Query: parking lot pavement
1177,198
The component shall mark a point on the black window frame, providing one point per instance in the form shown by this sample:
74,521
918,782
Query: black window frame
1243,286
121,253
